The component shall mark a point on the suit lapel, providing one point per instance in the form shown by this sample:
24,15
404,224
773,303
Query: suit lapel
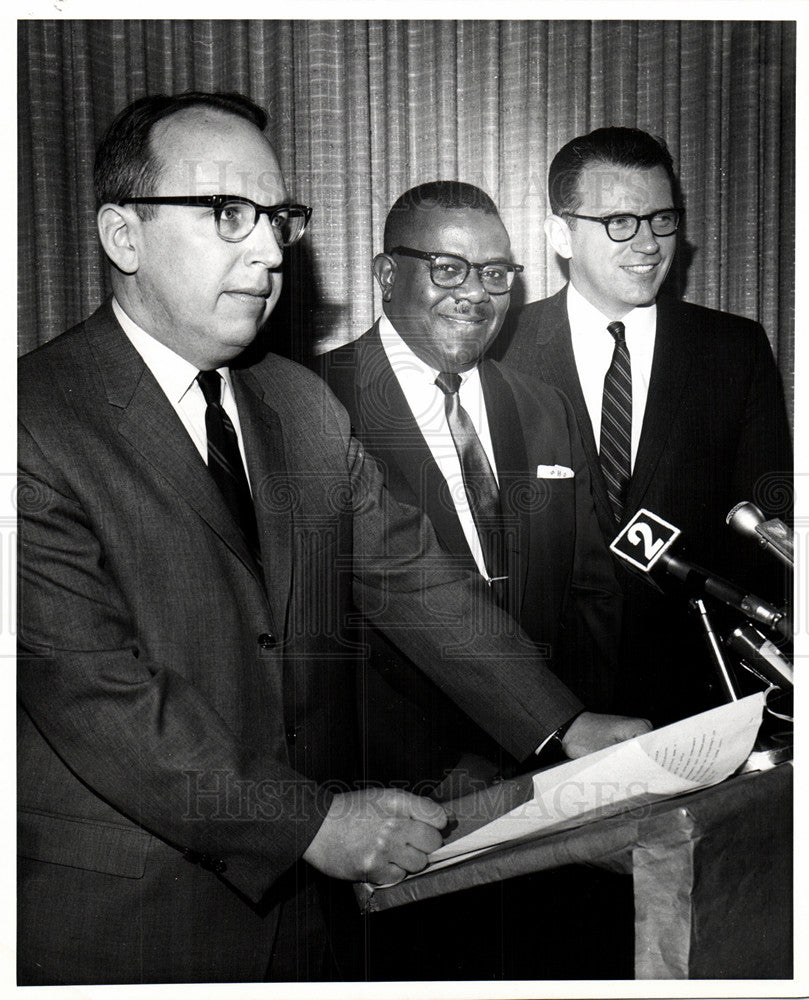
559,368
393,438
151,426
671,365
511,459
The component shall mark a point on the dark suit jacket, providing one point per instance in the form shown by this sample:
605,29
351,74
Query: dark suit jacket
179,715
561,585
714,433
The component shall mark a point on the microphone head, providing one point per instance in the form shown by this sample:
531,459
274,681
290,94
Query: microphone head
745,518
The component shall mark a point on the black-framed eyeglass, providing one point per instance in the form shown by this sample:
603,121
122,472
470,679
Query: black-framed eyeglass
624,225
448,270
237,217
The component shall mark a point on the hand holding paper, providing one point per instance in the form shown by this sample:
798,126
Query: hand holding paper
378,835
591,732
688,755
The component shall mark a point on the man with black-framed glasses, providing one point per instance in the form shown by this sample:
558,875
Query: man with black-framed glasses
679,408
194,519
491,457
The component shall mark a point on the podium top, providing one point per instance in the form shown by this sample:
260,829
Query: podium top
609,843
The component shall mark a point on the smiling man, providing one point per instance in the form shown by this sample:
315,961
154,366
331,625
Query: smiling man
491,457
679,408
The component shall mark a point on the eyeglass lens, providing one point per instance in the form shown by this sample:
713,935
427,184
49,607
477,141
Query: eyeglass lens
235,220
449,272
624,227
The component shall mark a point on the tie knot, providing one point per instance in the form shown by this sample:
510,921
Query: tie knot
618,330
211,385
448,382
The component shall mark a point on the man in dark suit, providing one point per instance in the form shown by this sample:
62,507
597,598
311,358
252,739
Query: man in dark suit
192,520
440,314
445,275
706,425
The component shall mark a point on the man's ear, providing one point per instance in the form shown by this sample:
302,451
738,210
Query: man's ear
558,234
385,274
118,229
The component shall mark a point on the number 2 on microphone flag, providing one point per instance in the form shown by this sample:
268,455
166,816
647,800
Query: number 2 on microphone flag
644,539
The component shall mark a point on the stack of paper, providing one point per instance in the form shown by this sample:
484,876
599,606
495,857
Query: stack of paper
688,755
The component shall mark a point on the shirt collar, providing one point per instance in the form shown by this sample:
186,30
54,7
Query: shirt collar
584,315
404,360
174,374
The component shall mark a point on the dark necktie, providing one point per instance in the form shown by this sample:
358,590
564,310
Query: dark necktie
225,461
479,483
615,453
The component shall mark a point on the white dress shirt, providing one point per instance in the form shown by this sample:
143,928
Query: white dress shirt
178,380
426,402
593,345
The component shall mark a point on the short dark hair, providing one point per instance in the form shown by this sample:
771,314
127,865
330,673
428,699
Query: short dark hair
125,163
424,197
623,147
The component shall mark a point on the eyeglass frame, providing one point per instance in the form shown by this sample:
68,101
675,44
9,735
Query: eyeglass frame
432,255
218,201
606,219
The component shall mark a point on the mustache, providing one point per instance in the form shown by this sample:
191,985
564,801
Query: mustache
470,311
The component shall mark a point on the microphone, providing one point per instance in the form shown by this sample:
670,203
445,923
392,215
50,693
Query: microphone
700,582
773,535
645,542
762,656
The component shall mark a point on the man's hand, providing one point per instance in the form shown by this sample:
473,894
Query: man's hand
377,835
591,732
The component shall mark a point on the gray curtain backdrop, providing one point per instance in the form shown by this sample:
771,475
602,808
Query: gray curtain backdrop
362,110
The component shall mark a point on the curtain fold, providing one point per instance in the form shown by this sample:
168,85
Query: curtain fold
362,110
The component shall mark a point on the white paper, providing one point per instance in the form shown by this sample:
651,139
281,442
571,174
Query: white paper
683,757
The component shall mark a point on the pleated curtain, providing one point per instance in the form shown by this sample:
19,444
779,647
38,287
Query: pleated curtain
362,110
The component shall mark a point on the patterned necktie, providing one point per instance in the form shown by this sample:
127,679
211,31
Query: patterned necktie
225,461
479,483
615,453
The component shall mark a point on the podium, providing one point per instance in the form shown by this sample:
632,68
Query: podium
711,870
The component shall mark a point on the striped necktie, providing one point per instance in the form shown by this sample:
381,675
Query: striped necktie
480,485
225,461
615,452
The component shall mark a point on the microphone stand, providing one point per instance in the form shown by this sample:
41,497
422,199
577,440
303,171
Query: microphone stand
715,650
774,743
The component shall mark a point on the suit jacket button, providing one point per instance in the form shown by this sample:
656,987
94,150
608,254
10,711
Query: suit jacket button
292,734
266,640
